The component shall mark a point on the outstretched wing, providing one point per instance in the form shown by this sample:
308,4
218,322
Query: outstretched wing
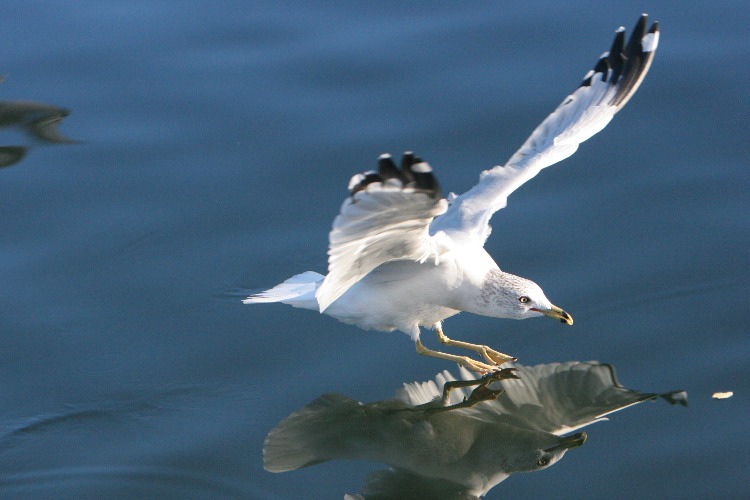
386,218
603,92
560,398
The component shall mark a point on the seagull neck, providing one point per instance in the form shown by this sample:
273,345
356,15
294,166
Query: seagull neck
493,295
475,296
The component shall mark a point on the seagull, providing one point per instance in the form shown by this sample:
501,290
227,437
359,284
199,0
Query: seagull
402,257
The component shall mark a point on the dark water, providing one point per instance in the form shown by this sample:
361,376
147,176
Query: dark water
215,141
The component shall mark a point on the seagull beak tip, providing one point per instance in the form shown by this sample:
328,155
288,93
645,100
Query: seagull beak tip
556,313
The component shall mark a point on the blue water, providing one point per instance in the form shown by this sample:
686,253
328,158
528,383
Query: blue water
214,144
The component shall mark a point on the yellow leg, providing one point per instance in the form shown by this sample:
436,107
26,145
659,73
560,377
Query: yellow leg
473,365
487,353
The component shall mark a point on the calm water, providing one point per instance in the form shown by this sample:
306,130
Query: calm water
215,142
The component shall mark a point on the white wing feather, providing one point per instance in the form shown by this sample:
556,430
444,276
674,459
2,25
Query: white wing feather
558,398
382,221
393,214
589,109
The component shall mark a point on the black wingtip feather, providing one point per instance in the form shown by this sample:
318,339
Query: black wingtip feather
602,68
618,43
637,62
626,63
386,168
634,44
407,159
414,172
424,180
615,58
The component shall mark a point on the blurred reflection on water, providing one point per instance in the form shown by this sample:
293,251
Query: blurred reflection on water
459,443
39,121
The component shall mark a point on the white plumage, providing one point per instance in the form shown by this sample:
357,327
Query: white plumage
401,257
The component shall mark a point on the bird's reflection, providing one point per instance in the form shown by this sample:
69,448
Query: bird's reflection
38,120
451,438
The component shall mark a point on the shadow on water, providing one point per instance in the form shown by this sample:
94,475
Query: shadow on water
451,438
37,120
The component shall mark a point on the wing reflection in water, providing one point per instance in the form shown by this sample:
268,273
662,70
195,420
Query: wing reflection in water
460,444
38,120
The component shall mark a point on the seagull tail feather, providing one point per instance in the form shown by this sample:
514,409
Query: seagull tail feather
298,291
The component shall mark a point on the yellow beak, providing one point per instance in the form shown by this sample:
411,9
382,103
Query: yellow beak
556,313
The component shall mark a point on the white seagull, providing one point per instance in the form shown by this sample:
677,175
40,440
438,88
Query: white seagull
403,257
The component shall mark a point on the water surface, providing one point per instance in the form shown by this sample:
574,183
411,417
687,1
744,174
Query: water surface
214,144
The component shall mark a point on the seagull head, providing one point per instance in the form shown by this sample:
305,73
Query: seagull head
549,456
515,297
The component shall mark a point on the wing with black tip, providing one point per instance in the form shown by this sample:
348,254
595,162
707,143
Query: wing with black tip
603,92
386,218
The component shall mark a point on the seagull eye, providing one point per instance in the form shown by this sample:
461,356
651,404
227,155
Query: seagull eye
523,299
542,461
